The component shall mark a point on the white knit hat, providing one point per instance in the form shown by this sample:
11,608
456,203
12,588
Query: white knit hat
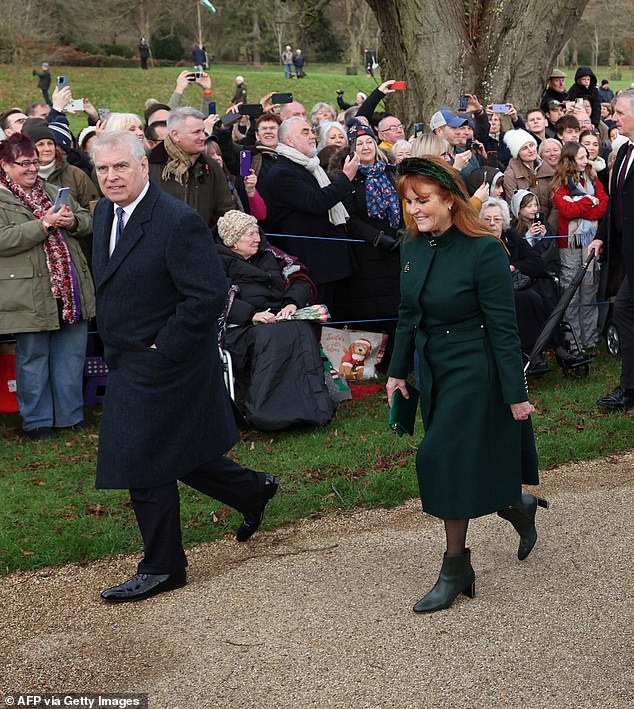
232,226
516,139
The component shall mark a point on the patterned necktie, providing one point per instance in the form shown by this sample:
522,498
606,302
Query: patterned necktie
120,224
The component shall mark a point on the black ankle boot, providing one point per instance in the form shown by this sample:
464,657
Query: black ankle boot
456,576
522,516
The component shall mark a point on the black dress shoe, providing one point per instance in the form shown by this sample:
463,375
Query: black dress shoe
142,586
250,523
618,399
39,434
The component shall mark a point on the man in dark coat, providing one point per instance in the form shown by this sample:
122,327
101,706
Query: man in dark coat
301,200
167,416
555,89
44,82
179,167
616,232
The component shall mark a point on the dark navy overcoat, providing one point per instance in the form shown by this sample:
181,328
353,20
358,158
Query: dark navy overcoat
166,409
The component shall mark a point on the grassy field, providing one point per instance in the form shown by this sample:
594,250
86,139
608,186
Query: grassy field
51,514
127,89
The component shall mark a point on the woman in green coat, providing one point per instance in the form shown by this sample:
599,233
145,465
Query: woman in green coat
457,313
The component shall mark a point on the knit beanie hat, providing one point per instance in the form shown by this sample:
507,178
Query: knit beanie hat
85,134
516,201
516,139
62,136
233,225
37,129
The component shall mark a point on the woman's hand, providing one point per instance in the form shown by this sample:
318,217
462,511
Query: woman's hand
62,219
522,410
264,317
385,87
286,312
250,182
482,193
350,166
537,229
392,385
210,122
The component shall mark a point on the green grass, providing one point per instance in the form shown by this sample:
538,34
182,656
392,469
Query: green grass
51,514
127,89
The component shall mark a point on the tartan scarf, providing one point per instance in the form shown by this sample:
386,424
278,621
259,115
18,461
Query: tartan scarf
58,260
178,164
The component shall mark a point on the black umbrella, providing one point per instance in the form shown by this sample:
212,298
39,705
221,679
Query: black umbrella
557,314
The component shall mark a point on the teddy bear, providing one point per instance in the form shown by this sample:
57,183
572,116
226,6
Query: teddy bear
352,364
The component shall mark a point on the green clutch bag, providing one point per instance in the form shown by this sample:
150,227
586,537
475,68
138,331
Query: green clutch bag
403,411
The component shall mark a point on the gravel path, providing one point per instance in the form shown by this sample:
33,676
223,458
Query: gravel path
319,615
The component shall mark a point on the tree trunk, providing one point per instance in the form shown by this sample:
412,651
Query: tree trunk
257,38
500,50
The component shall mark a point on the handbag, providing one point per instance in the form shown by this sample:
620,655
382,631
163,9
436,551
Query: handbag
520,280
403,411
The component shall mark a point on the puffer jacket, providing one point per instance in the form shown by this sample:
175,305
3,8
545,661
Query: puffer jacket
26,301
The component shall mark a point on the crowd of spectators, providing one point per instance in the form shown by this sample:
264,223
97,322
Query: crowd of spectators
319,182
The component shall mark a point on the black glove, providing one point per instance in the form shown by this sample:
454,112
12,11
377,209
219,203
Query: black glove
386,241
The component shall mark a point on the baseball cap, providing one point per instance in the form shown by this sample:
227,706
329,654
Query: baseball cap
553,104
446,118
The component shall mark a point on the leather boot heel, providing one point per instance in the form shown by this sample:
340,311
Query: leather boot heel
456,576
522,516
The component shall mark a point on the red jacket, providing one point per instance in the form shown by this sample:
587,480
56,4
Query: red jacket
580,209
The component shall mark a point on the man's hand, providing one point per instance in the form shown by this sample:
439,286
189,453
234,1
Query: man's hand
182,81
90,111
61,97
205,81
265,102
460,160
595,247
473,105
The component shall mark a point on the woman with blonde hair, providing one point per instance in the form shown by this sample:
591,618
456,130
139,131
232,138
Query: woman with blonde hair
124,121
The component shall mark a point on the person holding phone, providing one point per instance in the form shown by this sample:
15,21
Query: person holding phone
47,307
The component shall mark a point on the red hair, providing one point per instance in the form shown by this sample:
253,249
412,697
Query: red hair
464,216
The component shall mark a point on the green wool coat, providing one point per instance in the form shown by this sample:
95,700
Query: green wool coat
457,312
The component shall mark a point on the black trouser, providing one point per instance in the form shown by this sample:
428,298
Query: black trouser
624,319
157,509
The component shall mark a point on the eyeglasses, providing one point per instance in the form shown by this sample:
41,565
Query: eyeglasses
396,127
27,163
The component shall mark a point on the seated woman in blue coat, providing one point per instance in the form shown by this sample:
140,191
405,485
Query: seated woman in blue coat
276,360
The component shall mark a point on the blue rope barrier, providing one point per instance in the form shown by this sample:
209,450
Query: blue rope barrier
318,238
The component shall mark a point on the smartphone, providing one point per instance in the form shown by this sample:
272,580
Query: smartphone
62,82
469,144
103,113
492,158
245,163
192,76
198,75
463,102
62,198
418,128
579,102
500,107
229,119
538,218
212,107
253,110
353,144
75,105
282,98
399,86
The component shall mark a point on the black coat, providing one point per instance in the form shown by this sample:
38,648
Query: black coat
261,285
591,93
373,289
296,204
619,239
166,410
